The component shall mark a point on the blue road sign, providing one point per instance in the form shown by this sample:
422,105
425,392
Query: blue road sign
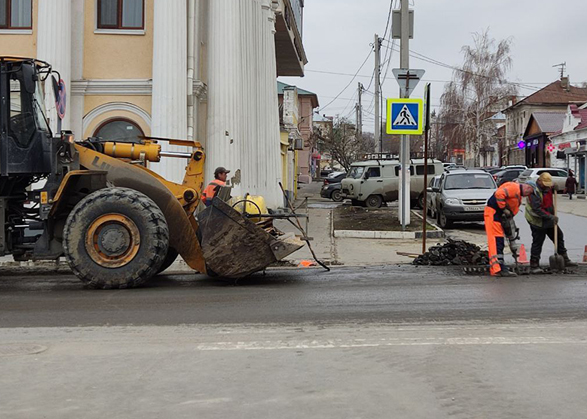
405,116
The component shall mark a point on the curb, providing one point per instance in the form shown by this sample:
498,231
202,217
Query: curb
438,233
393,235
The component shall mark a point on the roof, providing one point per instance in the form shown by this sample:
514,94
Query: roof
385,162
549,122
463,171
301,92
554,94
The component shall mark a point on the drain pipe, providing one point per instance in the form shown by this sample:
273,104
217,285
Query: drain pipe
191,44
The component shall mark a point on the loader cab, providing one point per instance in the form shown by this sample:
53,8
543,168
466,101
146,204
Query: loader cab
25,137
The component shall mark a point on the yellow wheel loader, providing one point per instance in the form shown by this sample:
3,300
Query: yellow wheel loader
115,221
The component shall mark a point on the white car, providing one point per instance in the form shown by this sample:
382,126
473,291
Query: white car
559,176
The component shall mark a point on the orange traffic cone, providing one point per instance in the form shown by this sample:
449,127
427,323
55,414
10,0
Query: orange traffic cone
585,255
523,258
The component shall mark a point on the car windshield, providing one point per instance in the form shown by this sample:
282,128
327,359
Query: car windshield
526,173
469,181
356,172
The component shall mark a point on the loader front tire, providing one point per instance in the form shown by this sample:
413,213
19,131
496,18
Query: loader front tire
169,259
115,238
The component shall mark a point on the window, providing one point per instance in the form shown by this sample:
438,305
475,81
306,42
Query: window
373,172
356,172
121,130
469,181
420,169
16,14
397,170
121,14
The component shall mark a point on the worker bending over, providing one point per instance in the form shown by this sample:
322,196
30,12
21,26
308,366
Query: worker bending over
212,189
503,205
540,216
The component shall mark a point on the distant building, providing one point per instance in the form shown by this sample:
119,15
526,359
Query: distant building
307,157
570,144
553,98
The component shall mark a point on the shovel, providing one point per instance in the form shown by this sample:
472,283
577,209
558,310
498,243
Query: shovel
557,262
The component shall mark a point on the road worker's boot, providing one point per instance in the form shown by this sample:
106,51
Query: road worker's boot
568,262
505,272
535,267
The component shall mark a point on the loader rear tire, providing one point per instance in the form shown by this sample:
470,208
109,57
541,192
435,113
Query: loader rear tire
115,238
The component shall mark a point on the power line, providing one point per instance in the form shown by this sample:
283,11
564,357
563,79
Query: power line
347,86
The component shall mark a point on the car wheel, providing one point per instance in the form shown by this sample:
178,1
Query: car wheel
374,201
421,201
443,222
336,196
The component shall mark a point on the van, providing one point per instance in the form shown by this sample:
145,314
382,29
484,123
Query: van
371,183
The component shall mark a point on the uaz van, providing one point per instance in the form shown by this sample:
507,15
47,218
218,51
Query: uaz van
374,182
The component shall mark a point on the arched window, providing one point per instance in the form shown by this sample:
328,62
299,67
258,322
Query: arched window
121,130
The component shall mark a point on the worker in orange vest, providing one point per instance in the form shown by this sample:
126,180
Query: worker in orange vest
505,202
212,189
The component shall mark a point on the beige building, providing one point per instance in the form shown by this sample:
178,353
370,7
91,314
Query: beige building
195,69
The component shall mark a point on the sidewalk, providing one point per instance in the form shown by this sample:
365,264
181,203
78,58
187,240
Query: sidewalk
345,251
575,206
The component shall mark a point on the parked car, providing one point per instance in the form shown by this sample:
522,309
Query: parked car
462,196
494,170
334,177
507,175
372,183
332,191
515,166
325,172
431,196
559,176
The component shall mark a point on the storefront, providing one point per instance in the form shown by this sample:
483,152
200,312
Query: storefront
577,161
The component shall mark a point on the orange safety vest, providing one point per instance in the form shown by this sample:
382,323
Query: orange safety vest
509,196
211,191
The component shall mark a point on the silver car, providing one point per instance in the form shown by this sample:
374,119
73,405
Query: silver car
559,176
462,196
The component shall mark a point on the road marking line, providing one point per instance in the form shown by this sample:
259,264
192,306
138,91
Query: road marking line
330,344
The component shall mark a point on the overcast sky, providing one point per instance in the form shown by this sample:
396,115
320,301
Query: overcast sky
338,35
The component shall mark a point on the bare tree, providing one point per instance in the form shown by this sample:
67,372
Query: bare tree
342,143
476,93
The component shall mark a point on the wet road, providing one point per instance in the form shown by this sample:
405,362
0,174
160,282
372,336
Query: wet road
381,342
573,227
392,294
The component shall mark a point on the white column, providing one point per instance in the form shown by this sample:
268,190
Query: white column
169,100
76,103
54,46
243,114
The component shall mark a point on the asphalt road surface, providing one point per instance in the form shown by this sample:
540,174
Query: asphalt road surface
405,342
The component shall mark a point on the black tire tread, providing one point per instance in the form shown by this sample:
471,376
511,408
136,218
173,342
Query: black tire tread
159,226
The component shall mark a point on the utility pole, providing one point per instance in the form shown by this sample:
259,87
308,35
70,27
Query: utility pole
404,93
360,113
378,147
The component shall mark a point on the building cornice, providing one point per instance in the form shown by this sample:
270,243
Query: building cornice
125,87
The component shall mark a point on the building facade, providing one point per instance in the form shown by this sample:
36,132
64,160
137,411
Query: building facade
188,69
570,144
554,97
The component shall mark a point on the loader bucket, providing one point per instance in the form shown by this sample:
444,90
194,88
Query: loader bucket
234,247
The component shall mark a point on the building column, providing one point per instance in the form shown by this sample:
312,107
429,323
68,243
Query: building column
169,98
243,111
54,47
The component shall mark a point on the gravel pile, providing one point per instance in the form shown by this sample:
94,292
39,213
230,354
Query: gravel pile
453,252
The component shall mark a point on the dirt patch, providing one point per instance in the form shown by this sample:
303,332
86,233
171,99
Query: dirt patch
347,217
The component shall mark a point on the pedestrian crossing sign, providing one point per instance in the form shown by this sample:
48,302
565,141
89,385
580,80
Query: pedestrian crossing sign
405,116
